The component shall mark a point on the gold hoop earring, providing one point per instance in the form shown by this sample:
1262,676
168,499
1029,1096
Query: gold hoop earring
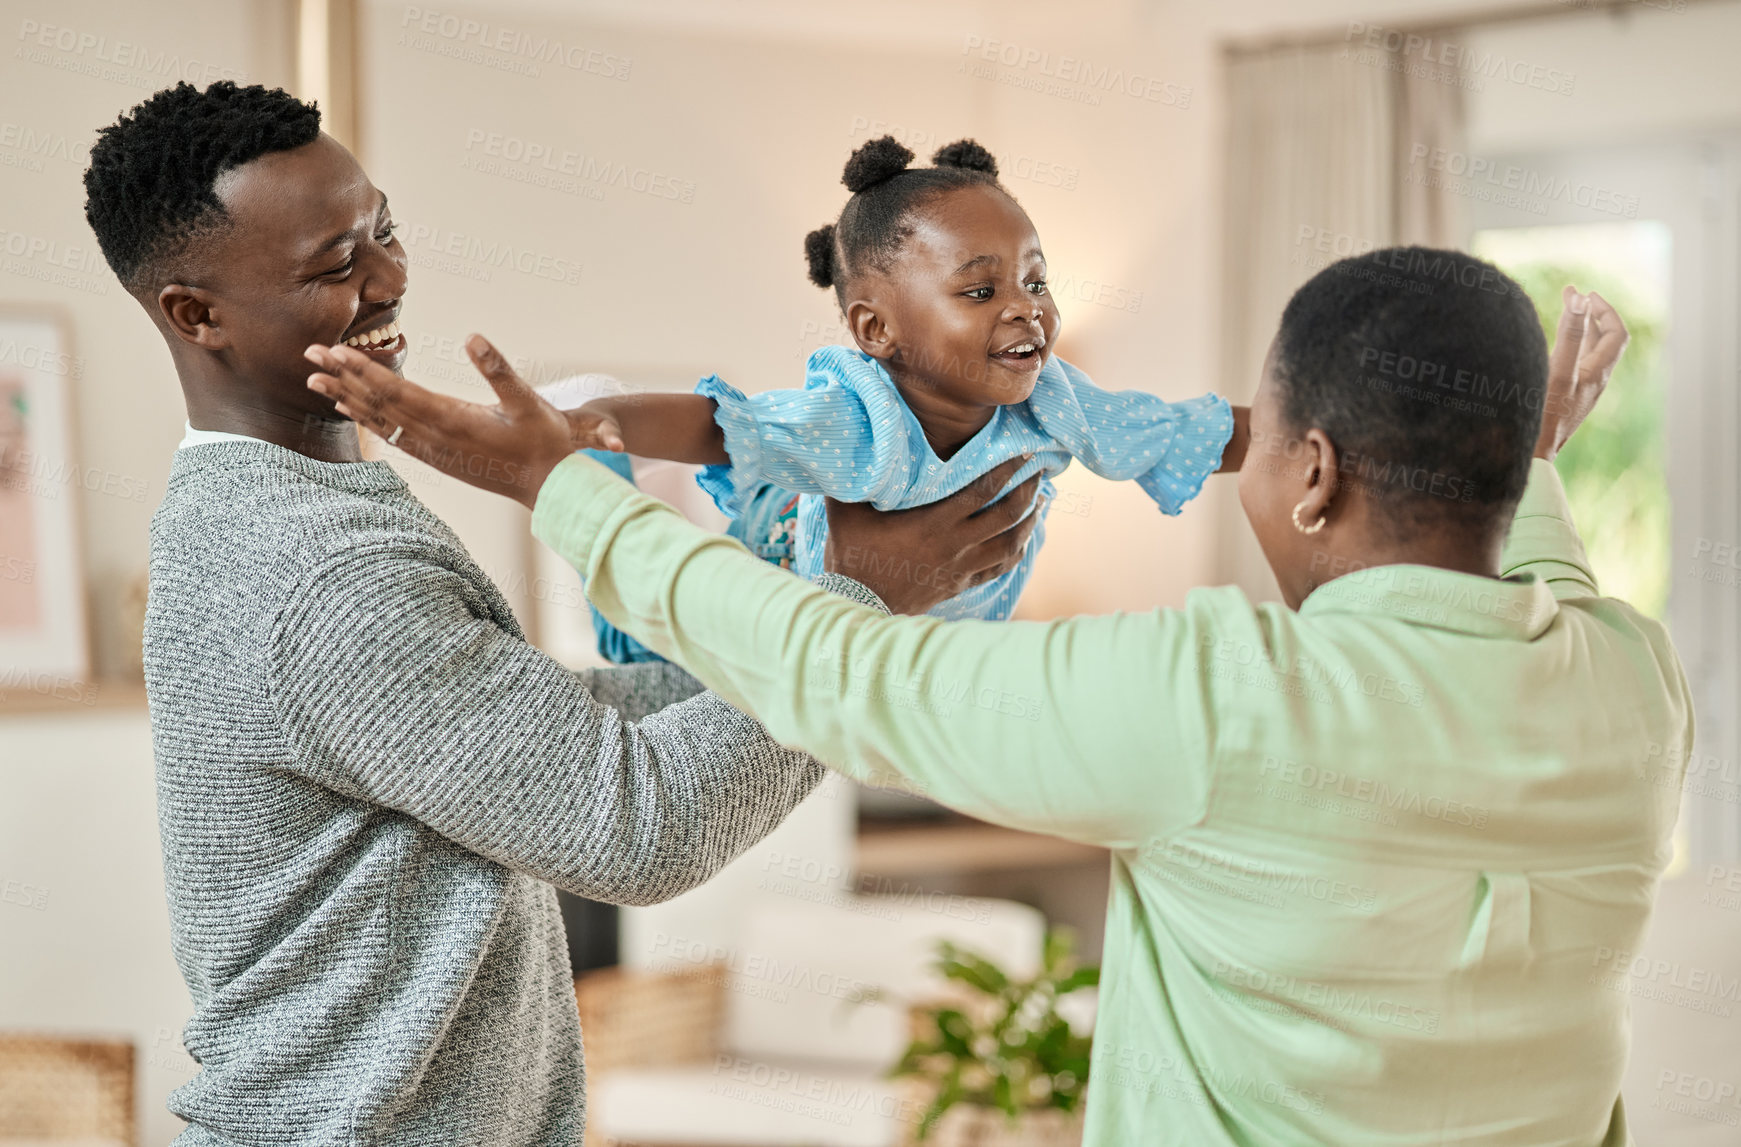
1305,529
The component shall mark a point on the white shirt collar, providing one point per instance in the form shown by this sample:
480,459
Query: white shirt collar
202,437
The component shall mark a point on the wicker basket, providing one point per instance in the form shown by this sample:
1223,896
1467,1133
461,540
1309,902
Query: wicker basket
641,1019
648,1019
66,1089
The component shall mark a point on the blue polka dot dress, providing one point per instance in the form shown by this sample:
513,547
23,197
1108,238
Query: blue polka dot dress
849,435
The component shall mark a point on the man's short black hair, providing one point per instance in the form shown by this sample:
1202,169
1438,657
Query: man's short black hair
149,189
1427,369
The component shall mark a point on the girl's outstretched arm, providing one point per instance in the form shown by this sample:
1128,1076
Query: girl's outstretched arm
676,427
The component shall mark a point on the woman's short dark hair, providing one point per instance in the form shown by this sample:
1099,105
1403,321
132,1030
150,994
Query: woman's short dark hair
1427,369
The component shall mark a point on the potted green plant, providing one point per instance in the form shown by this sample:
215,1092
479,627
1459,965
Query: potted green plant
1001,1066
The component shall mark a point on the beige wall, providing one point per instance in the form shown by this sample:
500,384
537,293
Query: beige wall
755,106
754,132
751,110
91,955
77,813
755,113
1651,73
67,68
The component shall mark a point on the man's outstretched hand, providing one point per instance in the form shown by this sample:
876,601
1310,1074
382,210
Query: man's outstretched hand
915,559
509,449
1587,344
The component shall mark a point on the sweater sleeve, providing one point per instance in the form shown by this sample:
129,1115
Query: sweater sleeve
394,686
638,690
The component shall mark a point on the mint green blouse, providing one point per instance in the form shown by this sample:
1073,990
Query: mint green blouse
1379,867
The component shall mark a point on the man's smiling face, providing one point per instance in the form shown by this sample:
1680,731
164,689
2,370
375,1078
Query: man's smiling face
308,257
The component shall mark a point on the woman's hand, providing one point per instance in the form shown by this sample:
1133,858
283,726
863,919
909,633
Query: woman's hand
508,449
1586,347
915,559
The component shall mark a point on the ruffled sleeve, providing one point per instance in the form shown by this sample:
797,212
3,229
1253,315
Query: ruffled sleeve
1169,448
818,440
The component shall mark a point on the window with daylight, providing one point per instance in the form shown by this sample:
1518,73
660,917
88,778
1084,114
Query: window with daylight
1615,469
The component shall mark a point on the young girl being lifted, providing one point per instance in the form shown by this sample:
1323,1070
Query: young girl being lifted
942,283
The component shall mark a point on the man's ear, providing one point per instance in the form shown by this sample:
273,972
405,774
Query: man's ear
190,312
873,333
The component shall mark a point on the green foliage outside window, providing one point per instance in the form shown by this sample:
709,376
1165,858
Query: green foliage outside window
1614,468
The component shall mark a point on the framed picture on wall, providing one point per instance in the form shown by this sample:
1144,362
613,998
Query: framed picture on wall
44,636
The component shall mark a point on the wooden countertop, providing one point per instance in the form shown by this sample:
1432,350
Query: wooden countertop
964,847
72,699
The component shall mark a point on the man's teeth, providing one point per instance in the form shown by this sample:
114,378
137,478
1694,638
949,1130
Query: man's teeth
1023,349
376,337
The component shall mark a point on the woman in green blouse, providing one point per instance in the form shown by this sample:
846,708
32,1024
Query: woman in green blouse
1381,852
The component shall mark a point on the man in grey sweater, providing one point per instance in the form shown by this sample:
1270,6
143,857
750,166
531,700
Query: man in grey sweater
367,779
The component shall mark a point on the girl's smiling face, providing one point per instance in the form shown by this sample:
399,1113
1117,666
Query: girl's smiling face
963,319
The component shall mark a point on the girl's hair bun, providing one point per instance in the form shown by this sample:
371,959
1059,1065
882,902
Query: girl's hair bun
968,154
819,253
876,161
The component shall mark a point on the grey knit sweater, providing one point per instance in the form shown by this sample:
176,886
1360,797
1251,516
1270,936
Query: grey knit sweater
366,778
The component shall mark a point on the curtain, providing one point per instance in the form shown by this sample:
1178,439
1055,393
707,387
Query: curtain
1327,145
